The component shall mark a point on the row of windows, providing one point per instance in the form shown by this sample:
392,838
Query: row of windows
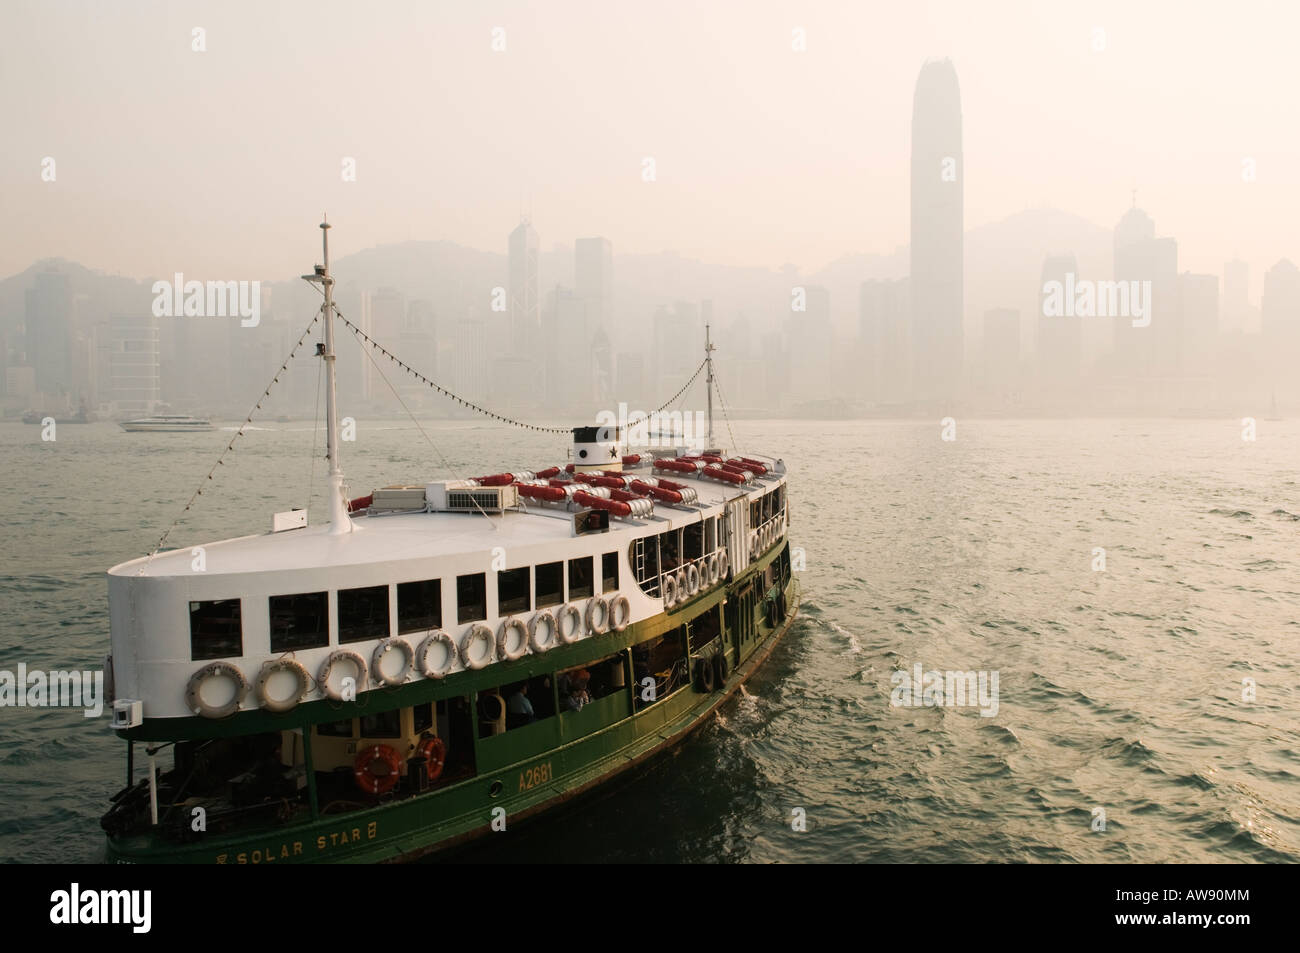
301,620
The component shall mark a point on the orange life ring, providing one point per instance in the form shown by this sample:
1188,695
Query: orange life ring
434,751
377,769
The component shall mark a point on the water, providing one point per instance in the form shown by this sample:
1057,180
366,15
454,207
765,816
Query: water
1120,690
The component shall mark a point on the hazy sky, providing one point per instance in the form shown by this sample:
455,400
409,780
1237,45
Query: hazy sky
220,163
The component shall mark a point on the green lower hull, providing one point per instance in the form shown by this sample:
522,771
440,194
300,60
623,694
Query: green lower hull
520,774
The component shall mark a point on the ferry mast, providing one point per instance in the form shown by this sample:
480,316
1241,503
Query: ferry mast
340,522
708,359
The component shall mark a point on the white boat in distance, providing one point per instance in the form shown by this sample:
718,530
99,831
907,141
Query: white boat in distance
166,422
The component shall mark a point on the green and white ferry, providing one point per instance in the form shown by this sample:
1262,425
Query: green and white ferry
439,661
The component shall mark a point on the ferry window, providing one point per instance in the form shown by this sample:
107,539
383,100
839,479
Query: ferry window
528,701
384,724
550,584
512,591
419,605
215,630
471,597
580,578
335,729
670,551
643,555
299,621
694,540
664,660
586,683
363,614
609,572
423,717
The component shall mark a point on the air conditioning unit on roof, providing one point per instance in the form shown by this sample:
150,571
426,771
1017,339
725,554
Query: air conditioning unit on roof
459,496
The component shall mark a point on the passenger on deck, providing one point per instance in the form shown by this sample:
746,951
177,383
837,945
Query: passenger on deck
519,708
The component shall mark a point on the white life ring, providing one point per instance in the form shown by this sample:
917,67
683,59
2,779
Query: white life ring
713,570
753,544
377,662
543,631
598,615
670,591
194,690
693,578
288,702
478,634
620,613
449,657
724,564
568,625
323,677
683,585
504,650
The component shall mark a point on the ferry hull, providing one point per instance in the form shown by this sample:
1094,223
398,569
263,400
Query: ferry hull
407,829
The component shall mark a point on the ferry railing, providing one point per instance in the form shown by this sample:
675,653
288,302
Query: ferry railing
700,562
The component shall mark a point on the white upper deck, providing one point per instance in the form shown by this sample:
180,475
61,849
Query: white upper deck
158,603
423,535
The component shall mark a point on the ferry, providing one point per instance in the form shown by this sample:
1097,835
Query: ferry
166,423
438,661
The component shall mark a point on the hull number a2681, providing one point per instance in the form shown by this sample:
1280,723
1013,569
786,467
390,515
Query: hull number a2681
531,777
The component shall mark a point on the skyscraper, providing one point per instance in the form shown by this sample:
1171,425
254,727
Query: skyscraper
594,279
1142,351
134,364
1001,354
1199,306
1060,336
1280,311
936,269
808,343
1236,284
883,309
49,333
525,291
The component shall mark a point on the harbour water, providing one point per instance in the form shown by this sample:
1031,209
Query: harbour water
1134,585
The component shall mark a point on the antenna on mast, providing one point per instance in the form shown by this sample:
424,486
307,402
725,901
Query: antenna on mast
708,359
340,522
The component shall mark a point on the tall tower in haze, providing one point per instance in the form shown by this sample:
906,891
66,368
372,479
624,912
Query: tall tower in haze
938,175
525,289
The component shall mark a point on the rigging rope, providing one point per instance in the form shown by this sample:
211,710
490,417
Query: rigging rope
673,398
440,389
221,460
473,498
722,401
361,335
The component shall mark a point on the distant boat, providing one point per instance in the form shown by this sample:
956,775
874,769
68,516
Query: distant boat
166,423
